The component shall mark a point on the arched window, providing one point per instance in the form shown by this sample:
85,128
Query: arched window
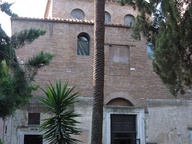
83,44
150,50
78,14
129,20
107,18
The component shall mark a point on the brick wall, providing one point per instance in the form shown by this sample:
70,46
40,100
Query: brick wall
63,8
128,72
139,83
136,82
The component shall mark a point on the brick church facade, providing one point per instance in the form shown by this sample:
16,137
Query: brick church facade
138,108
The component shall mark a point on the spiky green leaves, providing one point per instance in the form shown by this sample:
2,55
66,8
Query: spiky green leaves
59,102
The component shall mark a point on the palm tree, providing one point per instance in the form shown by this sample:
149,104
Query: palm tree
59,128
98,72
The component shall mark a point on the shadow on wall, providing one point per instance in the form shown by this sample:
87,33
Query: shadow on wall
1,130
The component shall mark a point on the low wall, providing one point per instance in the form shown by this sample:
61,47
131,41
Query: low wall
169,121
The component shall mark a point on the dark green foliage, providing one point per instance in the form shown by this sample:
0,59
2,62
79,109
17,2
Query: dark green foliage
142,25
14,92
36,62
141,5
3,37
15,79
25,37
5,7
40,60
170,32
59,101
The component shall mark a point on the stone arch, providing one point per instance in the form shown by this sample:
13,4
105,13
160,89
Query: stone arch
123,95
120,102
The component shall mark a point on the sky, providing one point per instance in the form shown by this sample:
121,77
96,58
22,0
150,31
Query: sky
23,8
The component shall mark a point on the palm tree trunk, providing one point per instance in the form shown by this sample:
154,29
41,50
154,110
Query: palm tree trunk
98,72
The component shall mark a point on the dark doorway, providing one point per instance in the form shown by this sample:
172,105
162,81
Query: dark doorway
123,129
33,139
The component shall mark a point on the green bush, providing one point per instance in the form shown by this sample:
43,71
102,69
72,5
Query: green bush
1,141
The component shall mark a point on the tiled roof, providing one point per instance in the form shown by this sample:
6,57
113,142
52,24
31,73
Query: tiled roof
77,21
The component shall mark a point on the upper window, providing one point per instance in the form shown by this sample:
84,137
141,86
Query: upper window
78,14
107,18
83,44
129,20
33,118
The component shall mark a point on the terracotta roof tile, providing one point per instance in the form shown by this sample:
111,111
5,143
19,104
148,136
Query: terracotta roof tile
67,21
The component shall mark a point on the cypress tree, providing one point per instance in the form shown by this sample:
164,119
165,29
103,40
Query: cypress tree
15,81
170,32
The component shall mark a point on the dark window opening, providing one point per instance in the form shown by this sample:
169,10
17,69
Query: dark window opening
33,139
123,129
33,118
83,44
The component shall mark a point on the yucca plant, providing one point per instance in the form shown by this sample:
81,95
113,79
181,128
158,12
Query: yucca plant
59,101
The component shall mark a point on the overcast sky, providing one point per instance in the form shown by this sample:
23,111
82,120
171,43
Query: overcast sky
23,8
